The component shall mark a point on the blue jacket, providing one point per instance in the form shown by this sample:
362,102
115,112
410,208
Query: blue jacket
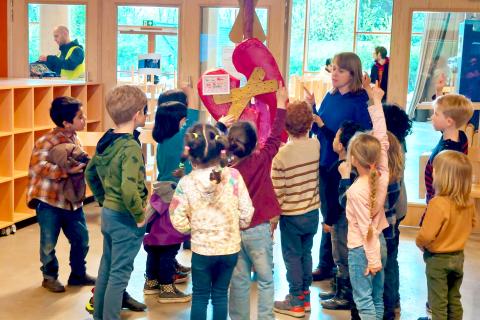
334,110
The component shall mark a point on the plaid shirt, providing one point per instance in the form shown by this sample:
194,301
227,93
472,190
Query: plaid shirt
47,180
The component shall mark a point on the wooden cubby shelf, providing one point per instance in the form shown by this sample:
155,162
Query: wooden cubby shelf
20,209
43,97
24,118
6,202
6,154
23,109
6,105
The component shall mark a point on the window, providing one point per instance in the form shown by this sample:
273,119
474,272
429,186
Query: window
145,30
43,18
326,27
215,45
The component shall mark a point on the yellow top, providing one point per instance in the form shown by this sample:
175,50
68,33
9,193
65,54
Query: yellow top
446,227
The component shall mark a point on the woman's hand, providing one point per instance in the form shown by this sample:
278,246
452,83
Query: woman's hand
318,120
309,96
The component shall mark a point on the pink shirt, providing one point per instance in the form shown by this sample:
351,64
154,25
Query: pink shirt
358,198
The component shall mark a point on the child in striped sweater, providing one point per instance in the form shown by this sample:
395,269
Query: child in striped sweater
295,176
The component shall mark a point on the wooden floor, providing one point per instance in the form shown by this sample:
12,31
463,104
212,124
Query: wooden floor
22,297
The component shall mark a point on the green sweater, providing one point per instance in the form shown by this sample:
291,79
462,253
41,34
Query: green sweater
116,174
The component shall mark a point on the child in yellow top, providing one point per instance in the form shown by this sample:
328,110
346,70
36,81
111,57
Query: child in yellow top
448,222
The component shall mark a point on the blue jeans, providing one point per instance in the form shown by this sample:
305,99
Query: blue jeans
51,220
296,234
367,290
210,278
256,251
391,295
339,246
121,242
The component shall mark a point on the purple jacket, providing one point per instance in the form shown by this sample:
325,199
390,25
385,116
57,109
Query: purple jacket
159,227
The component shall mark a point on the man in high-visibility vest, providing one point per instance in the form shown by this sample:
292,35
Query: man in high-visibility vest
70,63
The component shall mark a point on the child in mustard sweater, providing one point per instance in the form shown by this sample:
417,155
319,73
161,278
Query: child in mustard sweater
448,222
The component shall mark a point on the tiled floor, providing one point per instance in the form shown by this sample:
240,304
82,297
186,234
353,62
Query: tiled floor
21,296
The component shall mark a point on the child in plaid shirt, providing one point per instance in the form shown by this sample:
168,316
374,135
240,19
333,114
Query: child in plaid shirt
46,196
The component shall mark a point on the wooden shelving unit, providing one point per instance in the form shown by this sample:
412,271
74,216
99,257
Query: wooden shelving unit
24,118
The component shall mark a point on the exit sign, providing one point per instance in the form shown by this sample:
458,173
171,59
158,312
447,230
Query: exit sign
148,23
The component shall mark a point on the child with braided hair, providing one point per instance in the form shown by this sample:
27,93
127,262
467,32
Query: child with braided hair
365,211
212,203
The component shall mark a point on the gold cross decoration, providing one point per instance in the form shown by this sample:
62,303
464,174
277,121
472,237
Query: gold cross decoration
240,97
237,32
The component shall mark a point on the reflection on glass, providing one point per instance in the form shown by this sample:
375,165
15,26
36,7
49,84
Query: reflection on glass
143,30
444,46
215,46
375,16
331,30
333,26
57,41
365,48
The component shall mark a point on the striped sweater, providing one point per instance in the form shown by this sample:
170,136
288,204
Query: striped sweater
295,176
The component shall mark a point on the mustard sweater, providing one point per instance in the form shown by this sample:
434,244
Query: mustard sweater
446,227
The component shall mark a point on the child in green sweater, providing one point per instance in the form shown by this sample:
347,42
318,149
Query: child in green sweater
116,176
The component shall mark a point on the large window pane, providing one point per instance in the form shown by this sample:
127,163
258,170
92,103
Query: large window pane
435,52
366,44
331,26
129,47
160,37
418,21
77,15
42,20
215,45
134,15
297,37
375,15
33,32
167,46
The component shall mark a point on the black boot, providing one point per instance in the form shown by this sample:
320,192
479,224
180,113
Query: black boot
129,303
342,298
354,313
325,295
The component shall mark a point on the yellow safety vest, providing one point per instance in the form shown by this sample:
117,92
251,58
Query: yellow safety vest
78,72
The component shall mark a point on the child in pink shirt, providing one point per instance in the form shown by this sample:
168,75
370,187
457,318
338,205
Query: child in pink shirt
365,211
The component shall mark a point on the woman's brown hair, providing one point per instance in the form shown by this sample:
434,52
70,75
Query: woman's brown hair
351,62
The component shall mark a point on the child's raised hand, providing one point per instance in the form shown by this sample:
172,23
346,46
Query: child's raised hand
282,96
366,81
377,93
187,89
227,120
309,96
345,168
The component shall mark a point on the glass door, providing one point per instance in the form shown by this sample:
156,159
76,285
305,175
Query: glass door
147,30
